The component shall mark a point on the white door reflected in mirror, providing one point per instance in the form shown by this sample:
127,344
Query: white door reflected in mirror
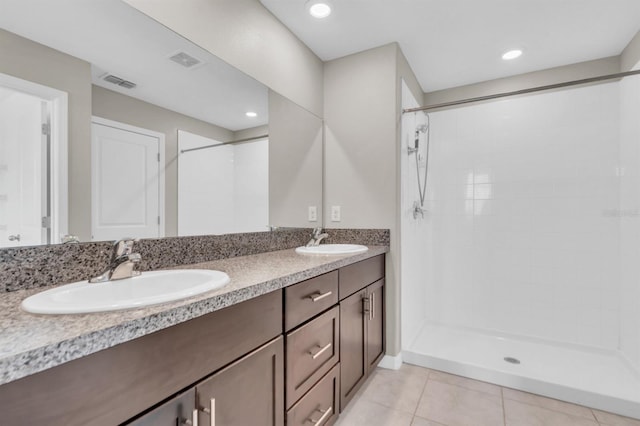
126,185
30,148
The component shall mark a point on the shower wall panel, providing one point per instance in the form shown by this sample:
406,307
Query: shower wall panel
630,219
523,216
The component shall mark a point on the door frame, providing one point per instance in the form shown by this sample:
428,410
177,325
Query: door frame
161,162
58,167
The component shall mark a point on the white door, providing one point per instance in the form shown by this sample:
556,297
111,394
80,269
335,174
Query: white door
24,188
125,187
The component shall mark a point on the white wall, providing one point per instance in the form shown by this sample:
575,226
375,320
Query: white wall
416,294
251,186
630,219
222,190
523,198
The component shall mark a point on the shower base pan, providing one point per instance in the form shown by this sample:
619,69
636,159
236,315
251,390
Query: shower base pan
586,376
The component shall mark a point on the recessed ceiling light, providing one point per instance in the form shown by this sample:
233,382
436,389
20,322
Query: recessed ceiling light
512,54
251,114
319,8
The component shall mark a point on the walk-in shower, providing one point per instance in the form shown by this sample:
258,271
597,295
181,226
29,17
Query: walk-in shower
525,270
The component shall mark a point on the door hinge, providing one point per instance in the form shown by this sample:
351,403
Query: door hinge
158,157
46,129
158,220
46,222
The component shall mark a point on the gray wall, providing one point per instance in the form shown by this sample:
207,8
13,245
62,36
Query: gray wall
522,81
31,61
631,54
295,163
361,156
247,36
115,106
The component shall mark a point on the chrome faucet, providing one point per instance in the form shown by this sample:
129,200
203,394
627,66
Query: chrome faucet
317,237
122,262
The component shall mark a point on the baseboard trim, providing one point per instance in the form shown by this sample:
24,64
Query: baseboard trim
391,362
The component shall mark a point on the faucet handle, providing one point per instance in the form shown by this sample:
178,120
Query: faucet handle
124,246
317,232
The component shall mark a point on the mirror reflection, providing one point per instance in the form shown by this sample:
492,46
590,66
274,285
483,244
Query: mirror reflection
97,102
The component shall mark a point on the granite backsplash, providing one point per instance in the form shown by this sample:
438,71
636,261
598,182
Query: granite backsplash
41,266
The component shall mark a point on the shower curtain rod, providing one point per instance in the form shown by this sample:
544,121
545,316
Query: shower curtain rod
523,91
182,151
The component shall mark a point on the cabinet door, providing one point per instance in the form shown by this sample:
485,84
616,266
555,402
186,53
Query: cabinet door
353,369
248,392
177,411
375,324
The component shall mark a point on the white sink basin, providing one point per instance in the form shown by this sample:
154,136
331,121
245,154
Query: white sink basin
149,288
333,249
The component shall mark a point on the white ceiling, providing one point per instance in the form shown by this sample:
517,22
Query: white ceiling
117,39
450,43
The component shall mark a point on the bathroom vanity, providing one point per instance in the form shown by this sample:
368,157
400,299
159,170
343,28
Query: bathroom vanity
290,340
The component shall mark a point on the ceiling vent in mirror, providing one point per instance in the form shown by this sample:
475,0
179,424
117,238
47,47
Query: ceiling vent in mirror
185,60
119,81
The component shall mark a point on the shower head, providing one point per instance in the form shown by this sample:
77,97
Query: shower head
422,128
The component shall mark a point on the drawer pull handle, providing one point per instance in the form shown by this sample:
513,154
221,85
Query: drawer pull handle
325,413
319,296
211,411
322,350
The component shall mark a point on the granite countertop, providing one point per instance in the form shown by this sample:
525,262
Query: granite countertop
31,343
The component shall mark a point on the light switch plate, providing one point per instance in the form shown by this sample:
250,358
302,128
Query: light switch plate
313,214
335,213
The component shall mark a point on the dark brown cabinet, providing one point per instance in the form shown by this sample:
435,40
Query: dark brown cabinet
248,392
362,338
299,353
320,405
177,411
374,317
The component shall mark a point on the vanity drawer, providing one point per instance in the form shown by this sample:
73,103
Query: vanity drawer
321,401
311,351
359,275
307,299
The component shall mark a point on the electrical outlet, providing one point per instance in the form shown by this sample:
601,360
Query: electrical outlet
335,213
313,214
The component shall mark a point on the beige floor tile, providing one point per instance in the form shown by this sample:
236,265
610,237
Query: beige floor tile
397,389
551,404
419,421
367,413
464,382
610,419
457,406
520,414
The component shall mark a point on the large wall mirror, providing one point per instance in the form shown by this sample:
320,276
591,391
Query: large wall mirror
111,125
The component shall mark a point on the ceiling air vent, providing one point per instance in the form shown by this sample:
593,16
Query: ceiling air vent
185,60
119,81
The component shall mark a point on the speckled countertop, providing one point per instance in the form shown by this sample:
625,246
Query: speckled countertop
31,343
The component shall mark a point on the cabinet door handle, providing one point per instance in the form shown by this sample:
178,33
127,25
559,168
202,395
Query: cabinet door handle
325,413
322,350
319,296
372,311
211,411
368,308
193,421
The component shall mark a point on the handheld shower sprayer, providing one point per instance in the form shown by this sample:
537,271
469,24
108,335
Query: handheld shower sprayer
418,206
416,140
420,129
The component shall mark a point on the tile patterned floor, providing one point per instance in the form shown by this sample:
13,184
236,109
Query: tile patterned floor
415,396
